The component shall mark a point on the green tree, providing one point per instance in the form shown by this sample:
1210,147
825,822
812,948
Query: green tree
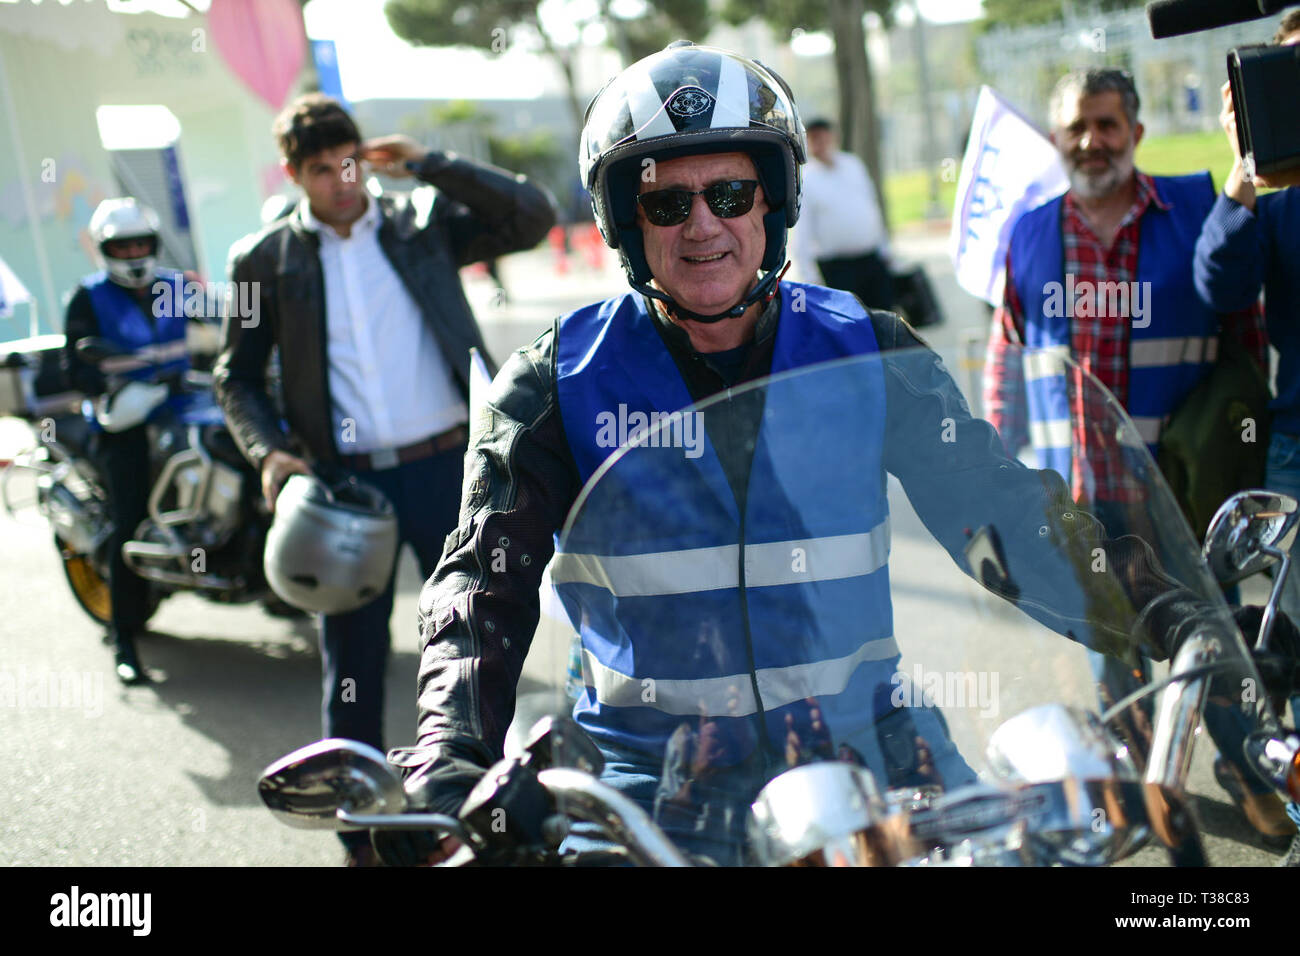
1014,13
493,24
536,154
859,127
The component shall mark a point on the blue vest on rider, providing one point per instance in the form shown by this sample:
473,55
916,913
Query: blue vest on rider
1170,348
123,321
688,608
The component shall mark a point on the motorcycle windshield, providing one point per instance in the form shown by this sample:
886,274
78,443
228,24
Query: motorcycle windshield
783,578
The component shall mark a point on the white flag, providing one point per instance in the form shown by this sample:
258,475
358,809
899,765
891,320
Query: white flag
11,291
1009,168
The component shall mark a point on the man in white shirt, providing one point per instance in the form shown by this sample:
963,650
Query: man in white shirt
841,239
362,298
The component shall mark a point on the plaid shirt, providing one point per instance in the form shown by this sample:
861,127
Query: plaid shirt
1099,344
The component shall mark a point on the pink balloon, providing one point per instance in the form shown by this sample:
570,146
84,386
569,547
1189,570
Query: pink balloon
263,41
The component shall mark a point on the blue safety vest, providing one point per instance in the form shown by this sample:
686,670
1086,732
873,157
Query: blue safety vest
1170,348
687,608
123,321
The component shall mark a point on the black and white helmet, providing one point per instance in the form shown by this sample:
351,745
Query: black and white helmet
688,100
330,549
125,218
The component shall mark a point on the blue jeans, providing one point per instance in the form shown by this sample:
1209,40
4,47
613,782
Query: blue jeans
706,813
354,646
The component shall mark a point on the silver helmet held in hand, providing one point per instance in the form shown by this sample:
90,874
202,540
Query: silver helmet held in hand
115,220
330,549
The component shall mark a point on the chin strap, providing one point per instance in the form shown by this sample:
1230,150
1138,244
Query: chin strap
765,290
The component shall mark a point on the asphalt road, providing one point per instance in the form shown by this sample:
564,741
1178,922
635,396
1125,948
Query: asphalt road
164,775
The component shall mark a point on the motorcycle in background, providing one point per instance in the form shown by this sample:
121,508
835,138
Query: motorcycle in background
207,521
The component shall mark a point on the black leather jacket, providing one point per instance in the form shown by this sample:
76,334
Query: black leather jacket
476,625
481,212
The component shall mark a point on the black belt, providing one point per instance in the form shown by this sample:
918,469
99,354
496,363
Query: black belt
392,457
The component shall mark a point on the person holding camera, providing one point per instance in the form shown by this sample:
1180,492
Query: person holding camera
1251,242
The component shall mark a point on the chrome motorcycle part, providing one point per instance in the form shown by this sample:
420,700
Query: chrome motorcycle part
1052,742
581,795
1276,757
308,788
820,814
1247,532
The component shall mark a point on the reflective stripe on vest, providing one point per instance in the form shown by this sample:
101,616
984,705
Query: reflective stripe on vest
655,587
708,569
733,695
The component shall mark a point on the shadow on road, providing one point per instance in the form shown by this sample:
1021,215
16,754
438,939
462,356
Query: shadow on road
1222,819
259,700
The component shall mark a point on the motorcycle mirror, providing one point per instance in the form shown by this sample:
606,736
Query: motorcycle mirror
1249,532
307,788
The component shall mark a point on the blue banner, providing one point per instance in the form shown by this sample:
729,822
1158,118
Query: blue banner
327,68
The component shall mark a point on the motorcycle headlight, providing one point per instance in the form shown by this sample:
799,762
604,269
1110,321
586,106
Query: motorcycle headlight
821,814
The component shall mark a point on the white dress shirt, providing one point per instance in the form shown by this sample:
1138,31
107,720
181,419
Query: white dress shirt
389,383
839,217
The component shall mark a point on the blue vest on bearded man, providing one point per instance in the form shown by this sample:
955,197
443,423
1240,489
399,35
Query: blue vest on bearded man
1171,346
687,607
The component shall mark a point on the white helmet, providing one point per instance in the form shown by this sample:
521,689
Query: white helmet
126,219
130,405
330,549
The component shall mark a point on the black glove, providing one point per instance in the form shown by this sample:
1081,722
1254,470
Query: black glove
1169,619
434,783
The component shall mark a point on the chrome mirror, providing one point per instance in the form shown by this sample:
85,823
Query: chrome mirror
307,788
1249,532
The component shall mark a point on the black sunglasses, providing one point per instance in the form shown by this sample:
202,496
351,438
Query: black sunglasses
727,200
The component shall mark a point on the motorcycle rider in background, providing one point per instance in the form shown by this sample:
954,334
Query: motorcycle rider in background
127,304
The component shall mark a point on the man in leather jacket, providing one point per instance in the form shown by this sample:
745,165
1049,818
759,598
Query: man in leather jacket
694,250
362,300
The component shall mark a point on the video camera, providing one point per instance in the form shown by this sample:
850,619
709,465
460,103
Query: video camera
1265,79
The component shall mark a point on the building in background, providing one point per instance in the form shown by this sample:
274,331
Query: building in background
202,155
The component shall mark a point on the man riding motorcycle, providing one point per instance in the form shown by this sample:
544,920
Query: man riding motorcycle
134,305
692,157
